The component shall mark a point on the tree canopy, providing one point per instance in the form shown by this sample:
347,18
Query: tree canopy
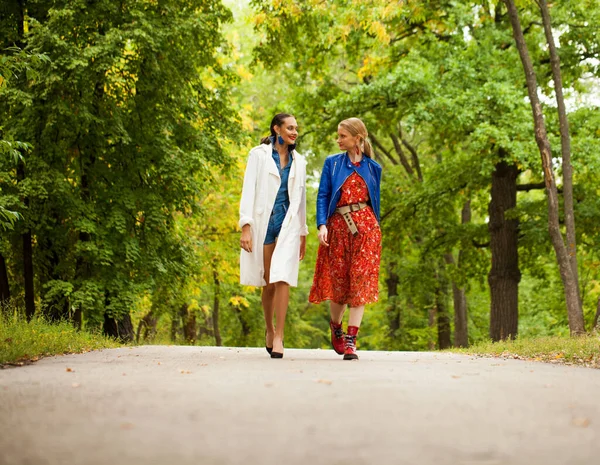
126,127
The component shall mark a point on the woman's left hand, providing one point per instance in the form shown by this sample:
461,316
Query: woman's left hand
302,246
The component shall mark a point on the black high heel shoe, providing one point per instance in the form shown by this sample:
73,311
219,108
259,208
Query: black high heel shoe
276,354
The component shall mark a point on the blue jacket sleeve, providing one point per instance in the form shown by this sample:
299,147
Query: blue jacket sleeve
324,195
378,171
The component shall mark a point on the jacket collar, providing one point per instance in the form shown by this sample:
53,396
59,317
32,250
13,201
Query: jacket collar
362,168
272,166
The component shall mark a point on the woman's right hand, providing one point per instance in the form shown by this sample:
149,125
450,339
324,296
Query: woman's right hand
323,235
246,239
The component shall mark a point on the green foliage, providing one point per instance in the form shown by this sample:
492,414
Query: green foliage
554,349
446,81
125,129
22,342
126,122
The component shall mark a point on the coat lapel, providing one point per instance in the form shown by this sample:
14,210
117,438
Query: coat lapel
271,166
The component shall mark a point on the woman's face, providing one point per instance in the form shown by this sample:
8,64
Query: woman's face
288,130
347,141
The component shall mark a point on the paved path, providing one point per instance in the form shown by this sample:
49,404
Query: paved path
220,406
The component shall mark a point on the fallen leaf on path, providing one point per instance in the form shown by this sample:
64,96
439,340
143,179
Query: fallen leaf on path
70,370
158,363
324,381
185,372
455,376
581,422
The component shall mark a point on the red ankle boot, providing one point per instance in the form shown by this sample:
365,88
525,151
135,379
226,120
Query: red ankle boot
337,337
350,343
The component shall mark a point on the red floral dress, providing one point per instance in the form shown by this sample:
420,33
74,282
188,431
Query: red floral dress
347,272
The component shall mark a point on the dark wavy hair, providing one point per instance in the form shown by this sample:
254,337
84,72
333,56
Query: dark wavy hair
277,120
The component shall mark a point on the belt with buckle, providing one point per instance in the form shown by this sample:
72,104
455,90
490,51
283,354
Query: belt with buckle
345,212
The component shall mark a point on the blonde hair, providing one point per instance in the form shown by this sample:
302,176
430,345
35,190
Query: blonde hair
357,128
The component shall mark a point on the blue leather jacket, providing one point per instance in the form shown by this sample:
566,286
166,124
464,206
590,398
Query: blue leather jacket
336,170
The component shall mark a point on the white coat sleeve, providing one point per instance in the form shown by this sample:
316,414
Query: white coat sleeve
304,226
249,191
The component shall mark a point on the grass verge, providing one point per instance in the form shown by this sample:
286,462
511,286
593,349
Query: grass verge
22,342
582,351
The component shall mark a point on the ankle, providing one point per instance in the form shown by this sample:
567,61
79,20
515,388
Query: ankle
352,330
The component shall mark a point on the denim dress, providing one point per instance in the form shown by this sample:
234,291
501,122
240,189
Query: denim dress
282,201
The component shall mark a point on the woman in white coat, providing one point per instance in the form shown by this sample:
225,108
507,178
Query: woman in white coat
273,222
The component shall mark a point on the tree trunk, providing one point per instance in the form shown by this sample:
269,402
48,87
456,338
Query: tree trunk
443,318
215,312
461,314
461,332
207,328
146,327
83,267
4,285
243,322
565,144
459,299
189,325
504,274
78,318
28,275
574,310
27,256
121,329
432,318
444,331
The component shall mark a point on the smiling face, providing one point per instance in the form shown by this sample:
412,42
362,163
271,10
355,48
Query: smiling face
346,141
288,130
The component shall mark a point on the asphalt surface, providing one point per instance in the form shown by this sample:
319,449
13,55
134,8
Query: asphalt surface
219,406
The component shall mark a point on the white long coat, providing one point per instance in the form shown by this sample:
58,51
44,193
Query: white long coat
261,183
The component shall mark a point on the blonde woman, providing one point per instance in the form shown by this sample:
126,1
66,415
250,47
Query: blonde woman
348,214
273,223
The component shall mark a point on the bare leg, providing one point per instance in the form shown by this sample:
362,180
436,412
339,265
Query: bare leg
356,314
281,300
268,295
337,311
